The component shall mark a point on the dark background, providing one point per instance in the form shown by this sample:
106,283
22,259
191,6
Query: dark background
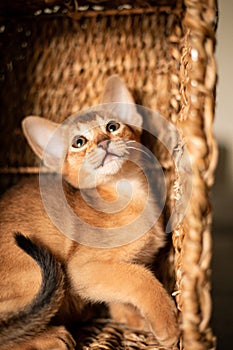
222,262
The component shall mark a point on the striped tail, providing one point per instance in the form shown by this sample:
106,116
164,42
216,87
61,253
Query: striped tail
34,317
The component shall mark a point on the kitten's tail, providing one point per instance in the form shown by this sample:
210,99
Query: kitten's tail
34,317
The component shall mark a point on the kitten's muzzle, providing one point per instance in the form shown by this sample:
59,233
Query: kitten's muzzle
109,155
104,144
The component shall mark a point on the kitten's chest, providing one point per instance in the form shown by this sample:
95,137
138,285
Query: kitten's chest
131,213
114,205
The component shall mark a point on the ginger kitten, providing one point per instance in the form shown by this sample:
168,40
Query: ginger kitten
98,156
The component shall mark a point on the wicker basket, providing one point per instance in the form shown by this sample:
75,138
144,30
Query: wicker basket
55,58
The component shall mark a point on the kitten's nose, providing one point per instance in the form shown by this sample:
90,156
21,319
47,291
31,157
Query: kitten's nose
104,144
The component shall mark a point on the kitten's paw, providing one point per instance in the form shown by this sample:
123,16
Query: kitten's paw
165,325
61,340
55,338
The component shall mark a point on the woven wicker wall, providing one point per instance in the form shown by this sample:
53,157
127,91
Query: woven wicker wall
55,59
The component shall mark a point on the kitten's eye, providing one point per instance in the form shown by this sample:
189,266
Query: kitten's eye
112,126
79,141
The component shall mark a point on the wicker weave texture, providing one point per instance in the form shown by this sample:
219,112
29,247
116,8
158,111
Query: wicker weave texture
195,120
54,66
65,63
104,334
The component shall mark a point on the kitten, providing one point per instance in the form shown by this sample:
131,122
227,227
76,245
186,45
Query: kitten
99,159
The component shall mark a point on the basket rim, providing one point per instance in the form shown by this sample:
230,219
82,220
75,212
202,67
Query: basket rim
55,8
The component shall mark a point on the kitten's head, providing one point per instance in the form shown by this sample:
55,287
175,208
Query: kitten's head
92,146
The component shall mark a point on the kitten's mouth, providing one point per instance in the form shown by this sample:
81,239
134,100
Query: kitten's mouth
109,157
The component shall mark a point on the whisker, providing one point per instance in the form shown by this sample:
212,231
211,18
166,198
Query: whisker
130,141
140,150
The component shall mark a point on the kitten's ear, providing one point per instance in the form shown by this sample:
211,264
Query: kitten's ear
116,91
45,139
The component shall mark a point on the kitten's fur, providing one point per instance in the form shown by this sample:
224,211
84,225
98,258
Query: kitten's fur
34,318
117,276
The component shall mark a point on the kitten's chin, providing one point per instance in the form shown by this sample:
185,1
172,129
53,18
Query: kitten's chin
92,178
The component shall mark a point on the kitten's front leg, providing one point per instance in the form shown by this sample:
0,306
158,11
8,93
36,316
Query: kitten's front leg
128,283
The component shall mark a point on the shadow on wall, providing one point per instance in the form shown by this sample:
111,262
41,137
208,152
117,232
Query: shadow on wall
222,261
222,194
